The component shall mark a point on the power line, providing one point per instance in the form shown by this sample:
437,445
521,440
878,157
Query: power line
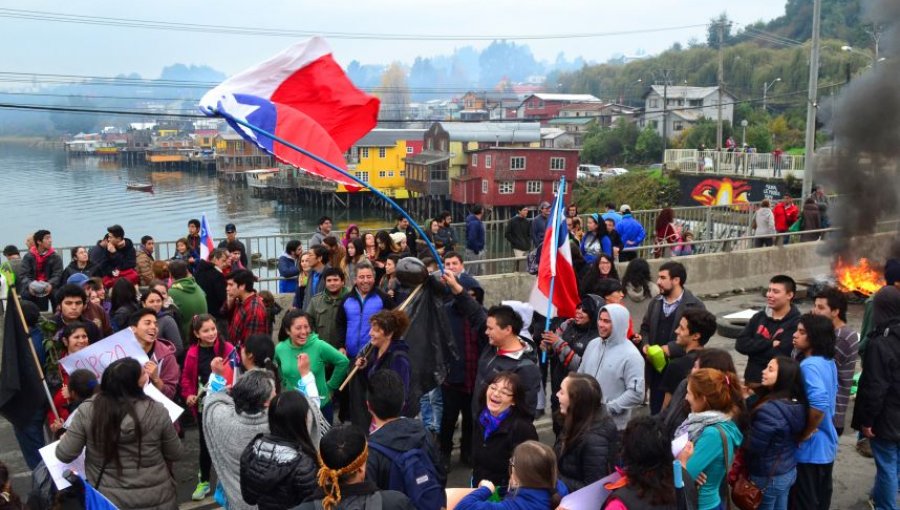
275,32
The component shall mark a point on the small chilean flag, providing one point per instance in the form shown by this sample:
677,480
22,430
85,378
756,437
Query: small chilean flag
206,241
561,298
303,96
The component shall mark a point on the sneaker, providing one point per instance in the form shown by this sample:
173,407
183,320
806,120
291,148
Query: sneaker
201,491
864,448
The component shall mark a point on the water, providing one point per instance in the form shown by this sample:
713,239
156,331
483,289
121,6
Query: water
76,199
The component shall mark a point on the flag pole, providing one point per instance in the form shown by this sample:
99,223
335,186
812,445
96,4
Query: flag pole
389,200
555,247
37,362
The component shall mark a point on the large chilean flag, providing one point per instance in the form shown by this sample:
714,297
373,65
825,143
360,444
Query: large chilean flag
556,262
303,96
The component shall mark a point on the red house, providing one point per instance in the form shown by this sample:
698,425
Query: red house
514,176
544,107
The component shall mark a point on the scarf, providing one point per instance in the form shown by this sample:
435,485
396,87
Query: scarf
40,261
490,422
696,422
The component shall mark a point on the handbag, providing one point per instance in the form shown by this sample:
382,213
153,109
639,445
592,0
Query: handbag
723,487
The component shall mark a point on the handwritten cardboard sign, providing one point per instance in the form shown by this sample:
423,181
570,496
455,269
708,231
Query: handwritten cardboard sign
96,357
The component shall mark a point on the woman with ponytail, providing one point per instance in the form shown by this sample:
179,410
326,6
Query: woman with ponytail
712,433
205,346
532,482
342,476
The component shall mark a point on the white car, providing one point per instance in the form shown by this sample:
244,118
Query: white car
616,171
589,171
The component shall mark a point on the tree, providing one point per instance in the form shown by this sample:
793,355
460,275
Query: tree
712,33
394,93
649,146
759,137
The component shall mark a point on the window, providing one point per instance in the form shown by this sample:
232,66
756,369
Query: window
557,163
364,152
517,163
484,186
474,159
430,144
238,147
402,173
443,145
677,125
390,173
506,187
555,187
654,124
533,187
409,150
696,102
363,176
487,160
654,103
382,152
382,174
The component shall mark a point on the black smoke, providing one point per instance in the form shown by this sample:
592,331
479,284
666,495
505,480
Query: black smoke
864,166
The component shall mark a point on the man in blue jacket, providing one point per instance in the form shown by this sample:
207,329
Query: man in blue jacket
475,240
632,234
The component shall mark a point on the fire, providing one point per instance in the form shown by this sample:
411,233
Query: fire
860,278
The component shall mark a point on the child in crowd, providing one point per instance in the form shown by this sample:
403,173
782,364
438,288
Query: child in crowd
272,307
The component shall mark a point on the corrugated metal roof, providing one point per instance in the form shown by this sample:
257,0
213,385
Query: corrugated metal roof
679,92
428,158
572,120
506,132
571,98
389,137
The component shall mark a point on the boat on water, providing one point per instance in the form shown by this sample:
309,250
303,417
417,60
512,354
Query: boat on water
140,186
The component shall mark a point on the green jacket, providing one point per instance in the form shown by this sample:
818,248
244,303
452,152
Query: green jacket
190,300
322,312
321,354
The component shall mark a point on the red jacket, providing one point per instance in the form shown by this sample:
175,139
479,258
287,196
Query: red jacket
190,380
785,216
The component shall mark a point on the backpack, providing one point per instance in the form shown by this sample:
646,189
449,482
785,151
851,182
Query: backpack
413,474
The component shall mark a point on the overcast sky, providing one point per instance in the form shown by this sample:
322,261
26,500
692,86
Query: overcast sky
51,47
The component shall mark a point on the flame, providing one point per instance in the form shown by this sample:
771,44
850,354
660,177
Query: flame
861,278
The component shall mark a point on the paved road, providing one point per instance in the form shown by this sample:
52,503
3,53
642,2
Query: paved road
853,474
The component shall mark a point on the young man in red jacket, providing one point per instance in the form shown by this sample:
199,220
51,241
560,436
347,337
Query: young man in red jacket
786,213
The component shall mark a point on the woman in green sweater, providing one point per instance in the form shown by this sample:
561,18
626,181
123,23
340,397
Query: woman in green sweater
300,339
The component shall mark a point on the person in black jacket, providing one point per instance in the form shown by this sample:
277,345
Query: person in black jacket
342,478
278,470
662,318
587,447
500,426
119,259
770,332
877,411
385,401
518,234
210,277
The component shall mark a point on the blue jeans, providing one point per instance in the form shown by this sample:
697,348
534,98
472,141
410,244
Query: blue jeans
31,439
431,408
778,491
887,464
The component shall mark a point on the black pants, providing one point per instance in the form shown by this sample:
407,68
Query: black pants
813,487
456,401
625,256
205,459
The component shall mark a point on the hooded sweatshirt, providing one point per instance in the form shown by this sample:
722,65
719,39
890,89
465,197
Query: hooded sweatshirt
617,366
190,300
756,341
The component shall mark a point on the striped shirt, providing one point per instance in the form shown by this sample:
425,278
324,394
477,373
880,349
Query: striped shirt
845,356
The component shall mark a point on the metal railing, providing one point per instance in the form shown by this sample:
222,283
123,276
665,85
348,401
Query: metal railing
761,164
709,225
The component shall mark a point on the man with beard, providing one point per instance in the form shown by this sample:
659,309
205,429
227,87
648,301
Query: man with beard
566,346
662,318
770,332
446,234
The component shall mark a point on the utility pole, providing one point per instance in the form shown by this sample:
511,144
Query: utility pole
812,105
721,80
665,110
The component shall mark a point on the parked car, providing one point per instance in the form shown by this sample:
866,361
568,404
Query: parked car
589,171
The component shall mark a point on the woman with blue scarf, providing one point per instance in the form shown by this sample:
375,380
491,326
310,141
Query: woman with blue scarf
500,428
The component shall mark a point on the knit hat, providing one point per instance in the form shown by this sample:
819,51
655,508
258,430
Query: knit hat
398,237
892,271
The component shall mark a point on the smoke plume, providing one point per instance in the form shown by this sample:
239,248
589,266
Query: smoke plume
865,121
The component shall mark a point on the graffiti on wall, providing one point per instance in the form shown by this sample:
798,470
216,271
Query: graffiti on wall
701,190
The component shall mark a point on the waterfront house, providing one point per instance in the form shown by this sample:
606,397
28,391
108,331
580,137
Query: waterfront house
684,106
543,107
234,154
379,158
511,177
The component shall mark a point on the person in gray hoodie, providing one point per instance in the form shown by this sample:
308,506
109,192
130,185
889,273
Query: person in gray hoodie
764,225
616,364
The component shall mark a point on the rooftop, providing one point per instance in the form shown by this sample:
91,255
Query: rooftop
506,132
683,92
389,137
575,121
570,98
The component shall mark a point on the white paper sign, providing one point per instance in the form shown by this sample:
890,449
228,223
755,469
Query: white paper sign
98,356
57,467
742,315
174,409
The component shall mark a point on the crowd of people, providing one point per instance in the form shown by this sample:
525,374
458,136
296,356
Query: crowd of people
329,411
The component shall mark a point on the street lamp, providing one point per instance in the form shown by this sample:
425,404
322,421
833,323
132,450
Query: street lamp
766,87
744,135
